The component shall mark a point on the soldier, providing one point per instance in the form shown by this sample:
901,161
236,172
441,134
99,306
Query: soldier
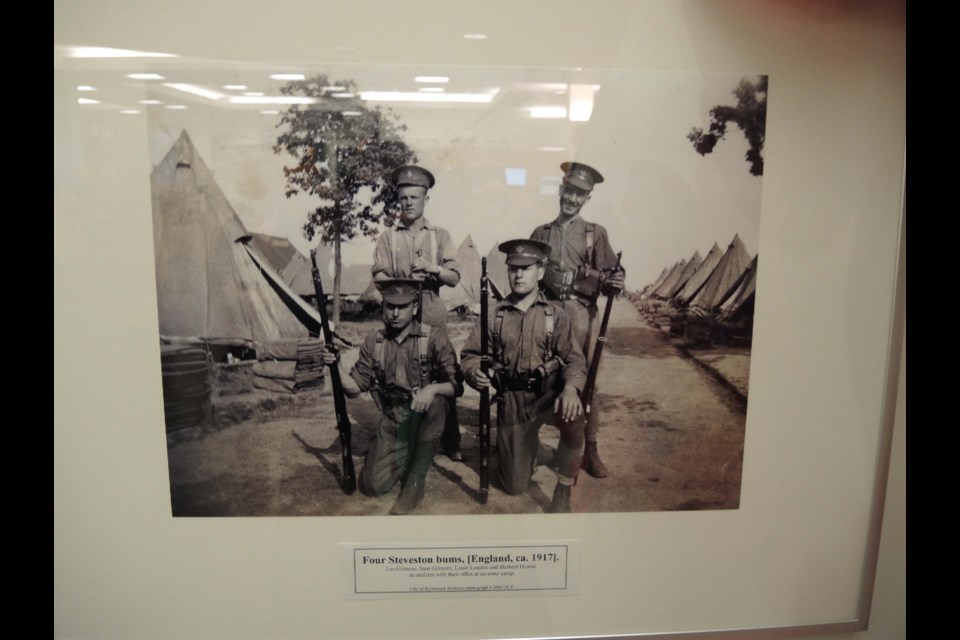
410,369
579,269
419,250
539,372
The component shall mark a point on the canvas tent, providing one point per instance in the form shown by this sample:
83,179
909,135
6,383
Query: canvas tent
731,266
497,271
371,295
700,276
354,279
209,286
684,276
669,281
467,292
291,265
650,288
742,296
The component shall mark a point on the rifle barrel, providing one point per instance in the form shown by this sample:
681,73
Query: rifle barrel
339,398
484,411
590,385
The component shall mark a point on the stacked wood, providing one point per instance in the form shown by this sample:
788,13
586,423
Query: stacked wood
186,386
289,366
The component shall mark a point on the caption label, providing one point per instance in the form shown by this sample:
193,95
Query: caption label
522,568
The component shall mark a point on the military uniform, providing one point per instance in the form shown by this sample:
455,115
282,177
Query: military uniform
394,255
579,247
396,251
535,354
393,368
410,369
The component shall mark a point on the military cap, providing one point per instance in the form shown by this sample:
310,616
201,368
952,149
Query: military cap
399,290
523,252
581,175
411,174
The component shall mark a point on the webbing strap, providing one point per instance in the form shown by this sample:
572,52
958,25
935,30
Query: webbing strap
591,233
423,356
393,248
498,332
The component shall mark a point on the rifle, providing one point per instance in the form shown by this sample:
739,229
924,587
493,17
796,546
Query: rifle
590,385
339,399
484,412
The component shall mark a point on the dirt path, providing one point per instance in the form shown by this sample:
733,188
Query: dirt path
672,438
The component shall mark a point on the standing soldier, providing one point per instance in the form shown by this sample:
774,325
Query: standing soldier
539,372
419,250
410,370
580,268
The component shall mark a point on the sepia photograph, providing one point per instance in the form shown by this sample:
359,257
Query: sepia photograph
485,291
319,265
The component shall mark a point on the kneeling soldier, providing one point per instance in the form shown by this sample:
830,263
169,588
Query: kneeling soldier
539,371
410,370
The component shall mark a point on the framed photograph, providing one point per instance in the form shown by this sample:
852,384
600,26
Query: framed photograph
736,484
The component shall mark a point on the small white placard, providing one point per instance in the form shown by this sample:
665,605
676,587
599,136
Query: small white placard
545,568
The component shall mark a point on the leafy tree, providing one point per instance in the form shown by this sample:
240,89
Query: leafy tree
750,115
343,152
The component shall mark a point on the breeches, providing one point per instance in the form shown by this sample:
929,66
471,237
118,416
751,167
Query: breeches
399,434
586,328
435,315
519,418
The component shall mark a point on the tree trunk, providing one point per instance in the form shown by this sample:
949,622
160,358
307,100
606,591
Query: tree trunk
338,227
336,276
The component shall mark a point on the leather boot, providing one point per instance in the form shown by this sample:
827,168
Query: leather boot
592,463
416,483
561,499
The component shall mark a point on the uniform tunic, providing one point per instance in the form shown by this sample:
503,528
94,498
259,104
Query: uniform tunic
568,252
520,414
396,251
400,429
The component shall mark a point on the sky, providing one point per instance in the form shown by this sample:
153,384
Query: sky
497,167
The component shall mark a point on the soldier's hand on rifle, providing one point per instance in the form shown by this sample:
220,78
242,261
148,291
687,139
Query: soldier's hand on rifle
568,404
479,380
423,398
615,280
423,267
330,355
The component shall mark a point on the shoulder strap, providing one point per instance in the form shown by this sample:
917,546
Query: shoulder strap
548,331
433,245
423,352
591,233
497,336
392,250
548,318
378,358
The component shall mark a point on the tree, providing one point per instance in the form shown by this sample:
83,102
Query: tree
344,152
750,115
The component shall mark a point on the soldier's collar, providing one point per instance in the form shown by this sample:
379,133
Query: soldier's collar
578,219
539,300
419,223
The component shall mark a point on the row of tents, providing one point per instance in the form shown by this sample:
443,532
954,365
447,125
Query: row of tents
717,289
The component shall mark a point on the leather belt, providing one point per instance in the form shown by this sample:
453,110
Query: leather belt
522,383
565,293
394,398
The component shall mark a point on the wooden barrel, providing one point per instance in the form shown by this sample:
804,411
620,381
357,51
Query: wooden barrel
186,386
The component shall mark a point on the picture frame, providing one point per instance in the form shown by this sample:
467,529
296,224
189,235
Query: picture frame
798,556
